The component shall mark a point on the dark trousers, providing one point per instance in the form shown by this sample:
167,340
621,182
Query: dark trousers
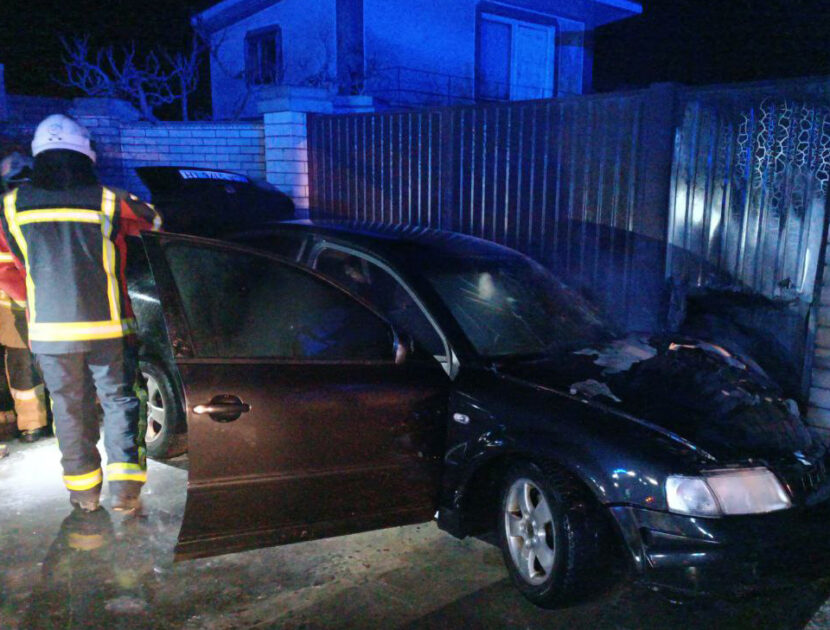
74,380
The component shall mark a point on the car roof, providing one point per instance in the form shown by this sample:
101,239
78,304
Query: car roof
392,240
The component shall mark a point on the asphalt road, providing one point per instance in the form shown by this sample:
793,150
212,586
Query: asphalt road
59,571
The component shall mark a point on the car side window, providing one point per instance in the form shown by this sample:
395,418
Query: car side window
379,288
240,305
286,244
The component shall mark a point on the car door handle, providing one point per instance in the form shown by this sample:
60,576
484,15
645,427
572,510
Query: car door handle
223,408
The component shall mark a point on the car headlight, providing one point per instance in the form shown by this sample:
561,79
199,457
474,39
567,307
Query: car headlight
727,492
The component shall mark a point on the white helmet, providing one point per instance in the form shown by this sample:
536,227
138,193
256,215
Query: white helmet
62,132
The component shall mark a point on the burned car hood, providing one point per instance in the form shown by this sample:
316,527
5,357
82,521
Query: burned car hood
720,402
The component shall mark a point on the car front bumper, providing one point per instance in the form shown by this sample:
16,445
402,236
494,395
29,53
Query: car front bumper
728,556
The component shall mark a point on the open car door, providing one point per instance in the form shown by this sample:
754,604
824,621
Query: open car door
301,423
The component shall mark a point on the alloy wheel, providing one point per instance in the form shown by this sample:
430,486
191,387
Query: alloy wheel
155,408
529,530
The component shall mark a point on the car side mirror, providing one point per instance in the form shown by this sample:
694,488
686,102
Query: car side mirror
403,347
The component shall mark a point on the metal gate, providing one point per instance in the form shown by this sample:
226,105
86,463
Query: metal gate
747,220
750,184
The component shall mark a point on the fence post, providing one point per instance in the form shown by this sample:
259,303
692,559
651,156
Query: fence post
656,155
285,110
286,156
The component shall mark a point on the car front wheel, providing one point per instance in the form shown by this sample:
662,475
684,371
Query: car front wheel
164,435
550,533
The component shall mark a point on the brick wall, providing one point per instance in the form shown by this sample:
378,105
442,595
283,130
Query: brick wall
237,147
33,109
21,115
275,148
106,136
122,142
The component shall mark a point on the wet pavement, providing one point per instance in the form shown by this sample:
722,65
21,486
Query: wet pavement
62,569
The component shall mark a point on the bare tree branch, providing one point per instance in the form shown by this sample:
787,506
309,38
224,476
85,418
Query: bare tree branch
149,82
87,76
186,70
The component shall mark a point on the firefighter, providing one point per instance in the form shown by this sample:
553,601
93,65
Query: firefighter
66,233
25,385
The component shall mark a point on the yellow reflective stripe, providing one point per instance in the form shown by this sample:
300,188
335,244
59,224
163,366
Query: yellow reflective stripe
108,247
124,471
10,302
10,210
80,331
139,477
6,257
123,466
59,214
83,482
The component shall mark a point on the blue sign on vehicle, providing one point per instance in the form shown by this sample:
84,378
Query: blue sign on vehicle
219,175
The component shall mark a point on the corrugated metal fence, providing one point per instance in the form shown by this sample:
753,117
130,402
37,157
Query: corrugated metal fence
537,176
503,172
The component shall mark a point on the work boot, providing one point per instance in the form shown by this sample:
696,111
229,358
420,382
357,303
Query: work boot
84,500
125,495
32,435
126,503
4,450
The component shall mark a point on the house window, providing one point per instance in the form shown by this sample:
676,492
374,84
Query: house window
515,58
263,56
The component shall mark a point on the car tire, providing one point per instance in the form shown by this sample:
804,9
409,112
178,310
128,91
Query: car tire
551,535
165,433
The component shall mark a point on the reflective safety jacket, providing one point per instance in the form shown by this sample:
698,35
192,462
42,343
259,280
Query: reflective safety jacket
69,248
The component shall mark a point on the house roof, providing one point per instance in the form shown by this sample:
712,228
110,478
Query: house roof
229,12
613,10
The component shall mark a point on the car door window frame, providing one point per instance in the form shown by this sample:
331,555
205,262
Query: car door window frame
179,327
448,361
260,242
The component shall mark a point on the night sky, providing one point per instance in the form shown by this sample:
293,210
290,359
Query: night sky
688,41
30,33
713,41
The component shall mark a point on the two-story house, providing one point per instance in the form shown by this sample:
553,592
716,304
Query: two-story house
403,52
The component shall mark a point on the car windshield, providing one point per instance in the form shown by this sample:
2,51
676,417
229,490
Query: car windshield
512,306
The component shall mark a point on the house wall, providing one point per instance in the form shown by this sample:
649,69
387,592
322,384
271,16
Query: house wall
441,38
309,53
438,38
